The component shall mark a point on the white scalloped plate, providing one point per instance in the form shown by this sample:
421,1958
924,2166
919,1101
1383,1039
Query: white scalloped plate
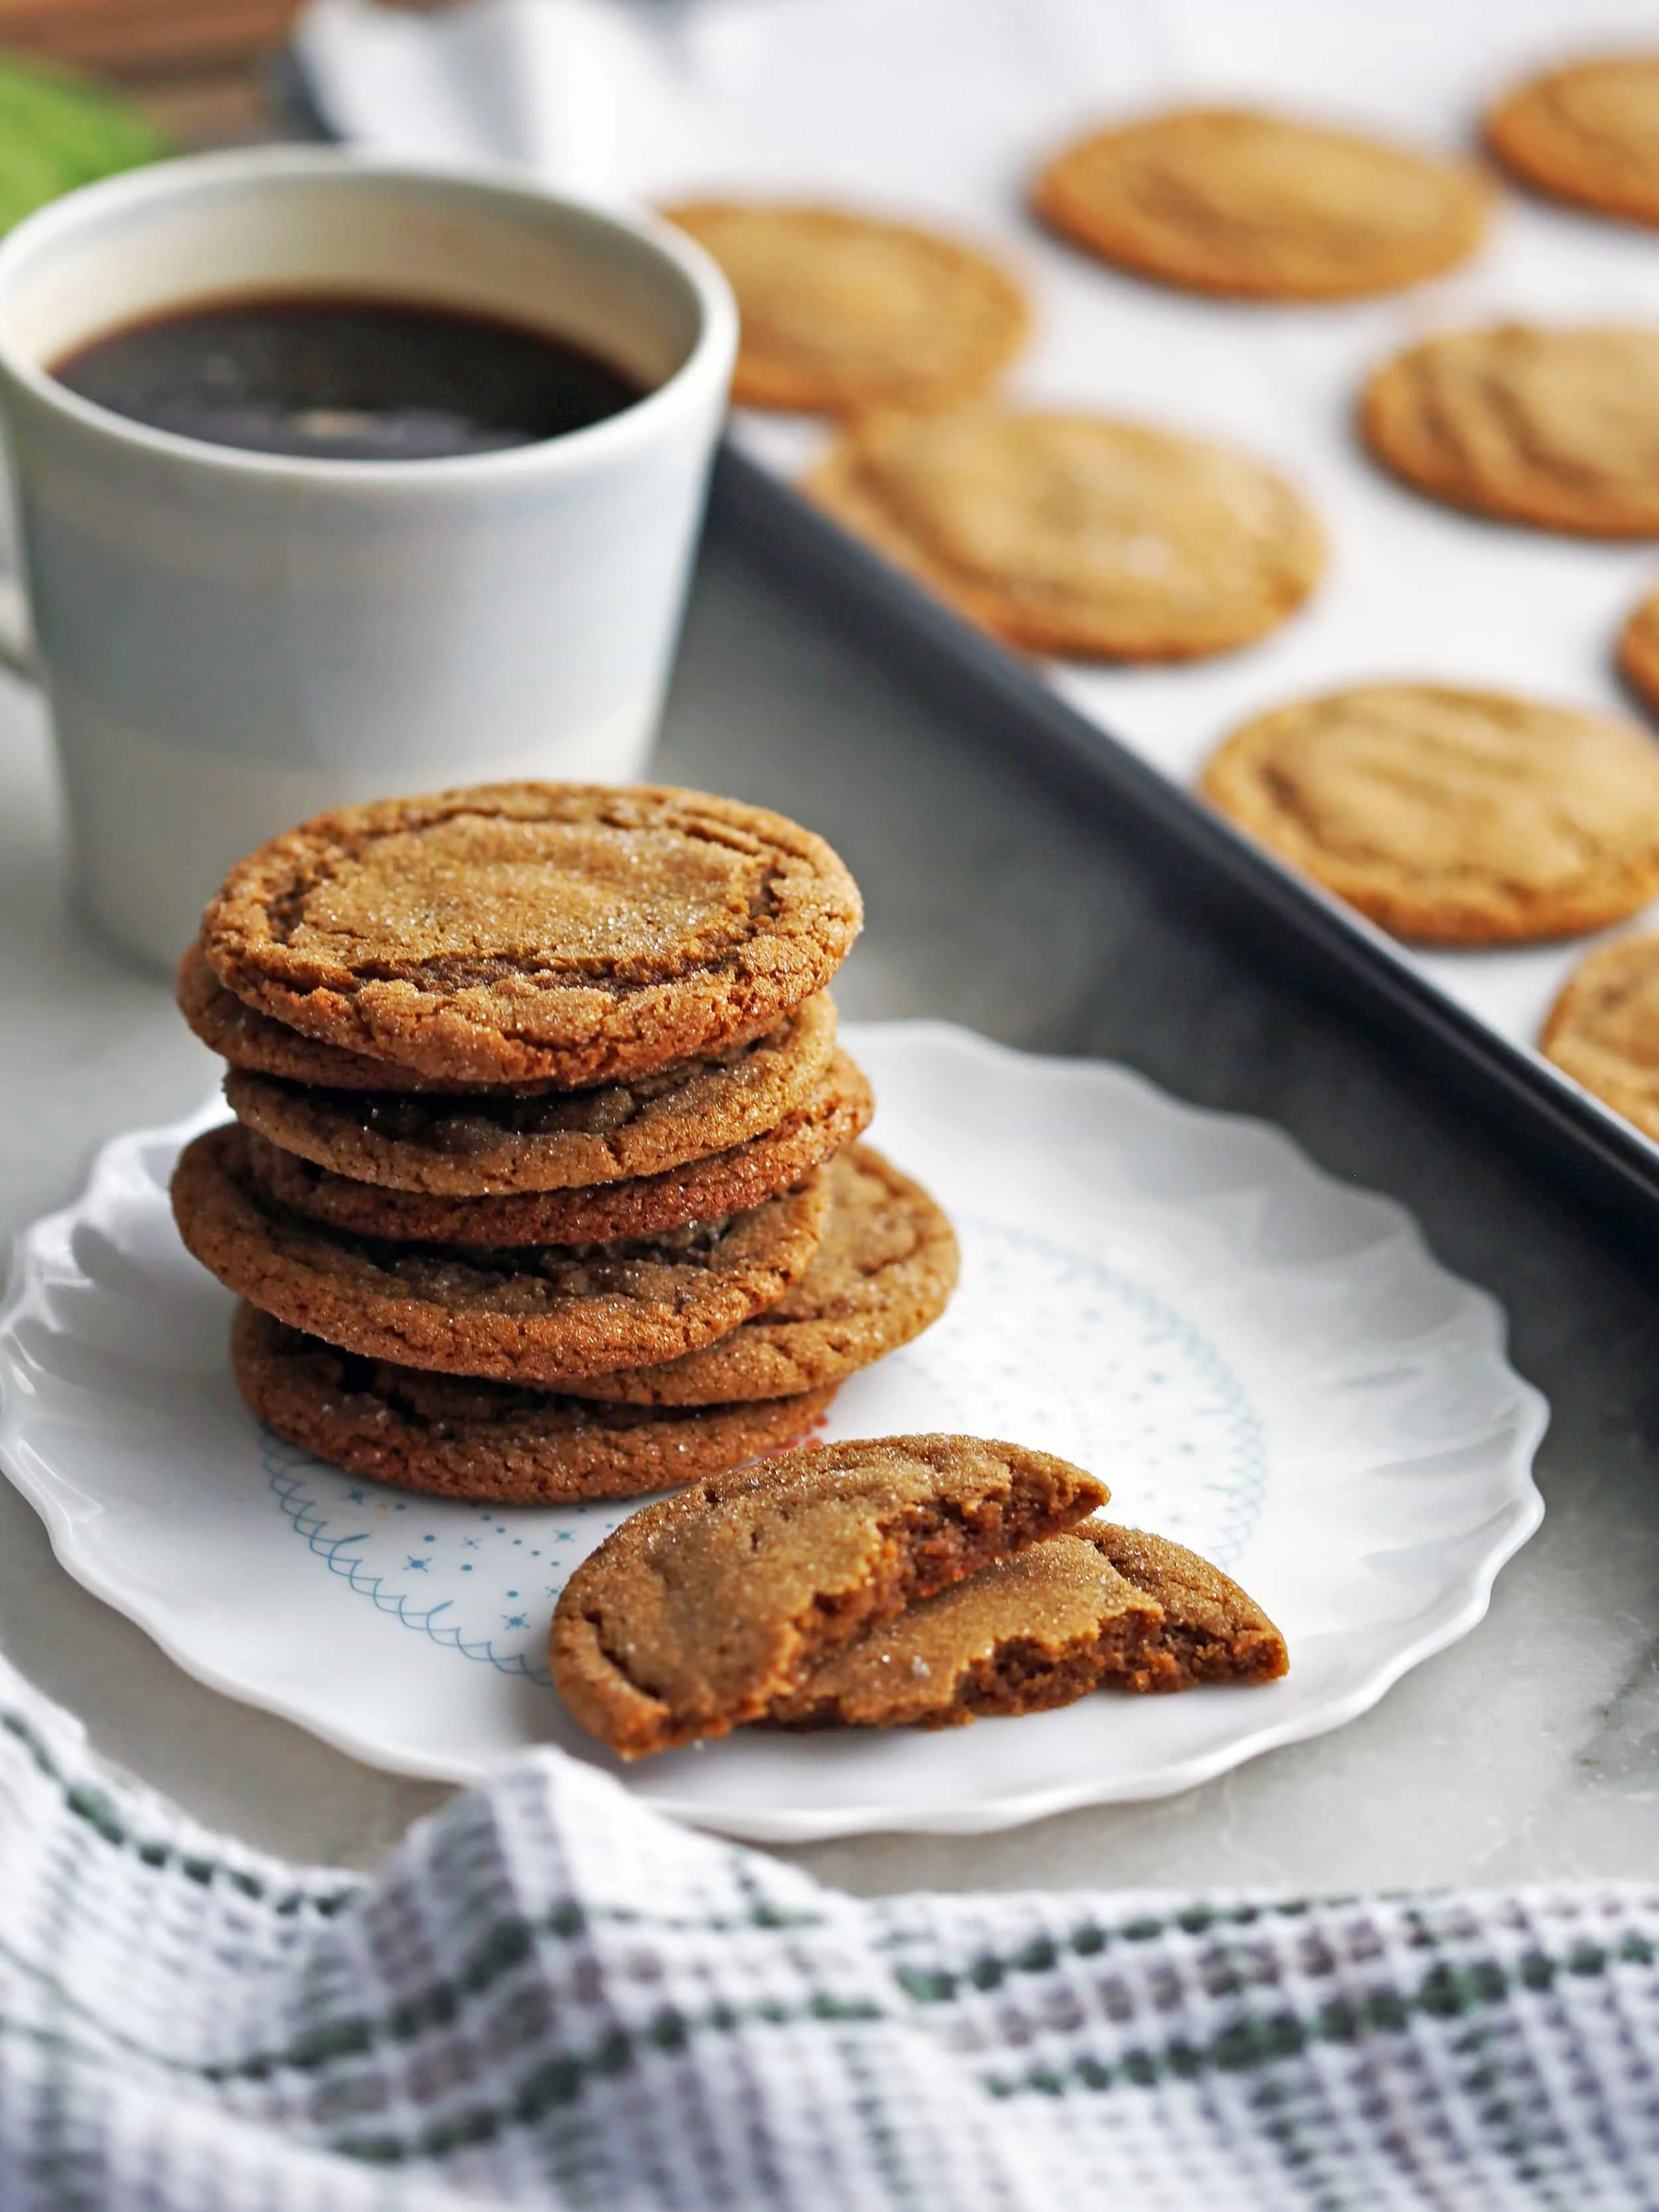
1261,1361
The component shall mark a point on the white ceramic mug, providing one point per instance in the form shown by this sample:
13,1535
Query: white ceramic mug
232,640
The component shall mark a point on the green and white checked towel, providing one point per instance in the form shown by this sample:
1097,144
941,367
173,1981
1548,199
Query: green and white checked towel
551,1996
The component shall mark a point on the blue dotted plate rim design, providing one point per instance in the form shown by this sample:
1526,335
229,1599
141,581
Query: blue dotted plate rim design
283,1466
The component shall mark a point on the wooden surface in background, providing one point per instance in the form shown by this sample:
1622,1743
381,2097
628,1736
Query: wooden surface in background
202,68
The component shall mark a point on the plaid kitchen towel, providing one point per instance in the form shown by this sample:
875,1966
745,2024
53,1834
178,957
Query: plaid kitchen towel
551,1996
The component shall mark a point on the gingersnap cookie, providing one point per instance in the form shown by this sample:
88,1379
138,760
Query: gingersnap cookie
1024,1635
1255,206
883,1272
701,1610
251,1040
1078,534
1604,1029
726,1183
456,1437
1211,1631
514,933
1587,132
1557,428
840,312
1452,816
488,1146
531,1313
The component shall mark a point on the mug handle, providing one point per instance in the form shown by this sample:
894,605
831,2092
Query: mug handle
17,652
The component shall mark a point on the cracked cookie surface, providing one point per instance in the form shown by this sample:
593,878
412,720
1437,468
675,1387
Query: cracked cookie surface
513,933
454,1436
1259,206
1451,816
1079,533
699,1611
883,1272
528,1314
250,1040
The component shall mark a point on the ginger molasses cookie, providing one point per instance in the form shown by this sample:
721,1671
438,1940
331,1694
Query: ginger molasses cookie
531,1313
1022,1636
1454,817
1212,1631
699,1611
485,1147
517,933
456,1437
1557,428
1604,1029
249,1039
1220,199
883,1274
726,1183
1078,534
1587,132
840,312
1638,653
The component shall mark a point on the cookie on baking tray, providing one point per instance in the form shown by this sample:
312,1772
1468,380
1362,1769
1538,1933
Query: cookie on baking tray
883,1272
1587,132
455,1437
1078,534
1557,427
725,1183
840,312
1604,1029
520,933
1452,816
700,1609
1259,206
1638,650
528,1314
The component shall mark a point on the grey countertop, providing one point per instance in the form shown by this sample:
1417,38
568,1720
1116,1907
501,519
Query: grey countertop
1531,1749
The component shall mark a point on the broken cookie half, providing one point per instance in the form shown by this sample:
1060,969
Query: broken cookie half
1103,1606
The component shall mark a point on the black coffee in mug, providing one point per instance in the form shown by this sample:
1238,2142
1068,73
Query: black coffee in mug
346,379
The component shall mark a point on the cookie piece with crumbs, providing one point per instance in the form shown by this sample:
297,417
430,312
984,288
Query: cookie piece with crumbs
700,1611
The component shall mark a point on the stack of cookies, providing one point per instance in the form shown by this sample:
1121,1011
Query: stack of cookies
543,1183
911,1581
